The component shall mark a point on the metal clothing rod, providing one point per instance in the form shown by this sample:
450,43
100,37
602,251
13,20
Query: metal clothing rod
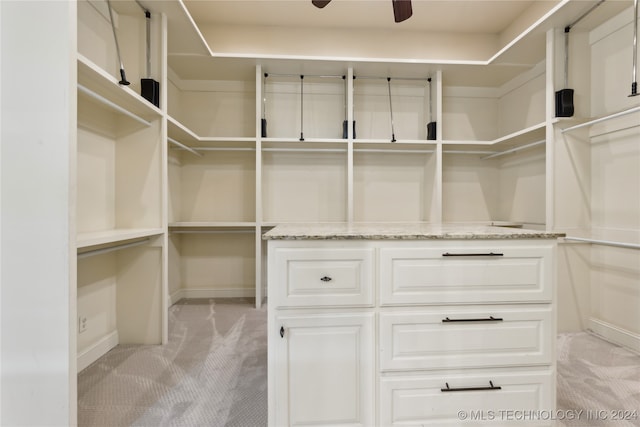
420,79
230,230
605,242
308,150
224,149
602,119
184,147
513,150
581,17
112,105
323,76
93,252
467,152
379,150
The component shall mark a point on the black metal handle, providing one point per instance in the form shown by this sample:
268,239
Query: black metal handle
474,254
281,331
491,387
487,319
326,279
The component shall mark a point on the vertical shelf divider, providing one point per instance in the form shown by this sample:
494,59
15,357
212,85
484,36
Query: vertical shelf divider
350,140
439,209
260,288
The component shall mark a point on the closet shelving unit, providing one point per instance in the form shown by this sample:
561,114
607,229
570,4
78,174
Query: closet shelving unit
325,177
119,199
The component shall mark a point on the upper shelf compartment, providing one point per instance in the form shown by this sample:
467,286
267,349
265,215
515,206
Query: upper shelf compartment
102,90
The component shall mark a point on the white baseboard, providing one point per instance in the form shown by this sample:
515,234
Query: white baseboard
97,350
212,293
615,334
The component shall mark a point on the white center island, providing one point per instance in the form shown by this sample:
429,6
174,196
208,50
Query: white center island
411,324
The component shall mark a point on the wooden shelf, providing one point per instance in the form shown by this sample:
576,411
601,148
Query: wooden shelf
85,240
210,225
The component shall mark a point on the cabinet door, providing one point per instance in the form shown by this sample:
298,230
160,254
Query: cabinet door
323,370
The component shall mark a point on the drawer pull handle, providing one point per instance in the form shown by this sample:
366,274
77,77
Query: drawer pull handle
281,331
485,319
474,254
326,279
491,387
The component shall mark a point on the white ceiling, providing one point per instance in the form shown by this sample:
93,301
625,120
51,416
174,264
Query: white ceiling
468,16
351,22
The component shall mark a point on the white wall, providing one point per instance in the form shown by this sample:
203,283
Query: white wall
38,375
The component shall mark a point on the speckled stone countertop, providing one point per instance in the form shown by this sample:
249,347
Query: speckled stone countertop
401,231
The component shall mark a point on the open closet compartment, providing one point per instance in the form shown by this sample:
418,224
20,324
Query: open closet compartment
494,137
120,158
597,194
211,181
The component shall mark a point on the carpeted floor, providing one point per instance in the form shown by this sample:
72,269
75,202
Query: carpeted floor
598,382
213,373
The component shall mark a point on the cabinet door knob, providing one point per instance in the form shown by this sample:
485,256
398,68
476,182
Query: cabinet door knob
281,331
326,279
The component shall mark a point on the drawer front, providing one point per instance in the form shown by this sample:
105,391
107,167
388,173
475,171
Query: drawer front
324,277
465,275
466,337
473,398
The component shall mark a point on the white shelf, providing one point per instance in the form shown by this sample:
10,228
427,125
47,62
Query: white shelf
307,140
203,225
521,137
85,240
98,81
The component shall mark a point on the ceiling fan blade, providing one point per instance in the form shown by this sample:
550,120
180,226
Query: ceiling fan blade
320,3
402,10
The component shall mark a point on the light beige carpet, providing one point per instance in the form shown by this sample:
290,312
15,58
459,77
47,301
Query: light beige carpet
598,382
213,373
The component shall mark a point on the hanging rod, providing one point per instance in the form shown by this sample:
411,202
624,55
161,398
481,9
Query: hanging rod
309,150
467,152
184,147
605,242
227,231
424,79
225,149
513,150
323,76
581,17
380,150
89,253
112,105
602,119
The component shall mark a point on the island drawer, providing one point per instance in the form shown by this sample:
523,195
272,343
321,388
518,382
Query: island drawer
313,277
465,274
466,337
470,398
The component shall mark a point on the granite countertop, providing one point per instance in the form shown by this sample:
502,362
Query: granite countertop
401,231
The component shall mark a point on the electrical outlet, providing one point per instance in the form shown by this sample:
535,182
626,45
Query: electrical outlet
82,324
